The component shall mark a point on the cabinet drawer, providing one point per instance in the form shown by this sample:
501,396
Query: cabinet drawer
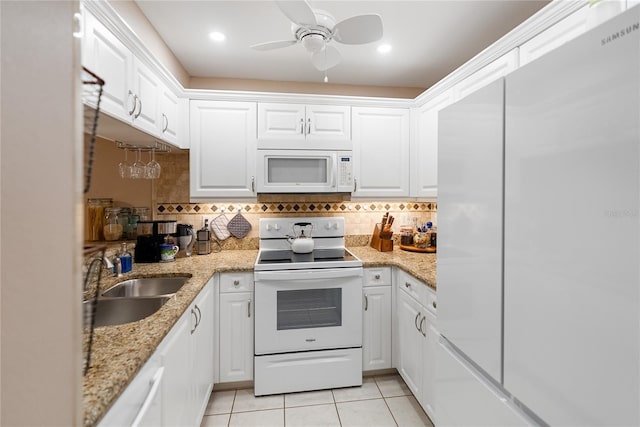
412,286
377,276
236,282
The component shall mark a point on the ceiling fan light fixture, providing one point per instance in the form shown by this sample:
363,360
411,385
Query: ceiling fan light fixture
313,42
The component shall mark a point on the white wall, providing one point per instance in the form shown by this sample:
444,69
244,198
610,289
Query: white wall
40,283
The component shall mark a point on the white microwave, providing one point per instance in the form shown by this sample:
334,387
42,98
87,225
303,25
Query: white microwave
304,171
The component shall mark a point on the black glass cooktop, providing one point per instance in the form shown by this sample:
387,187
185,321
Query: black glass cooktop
318,255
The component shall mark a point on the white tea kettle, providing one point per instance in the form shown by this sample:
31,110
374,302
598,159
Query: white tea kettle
300,242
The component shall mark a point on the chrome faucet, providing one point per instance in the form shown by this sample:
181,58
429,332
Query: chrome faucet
115,266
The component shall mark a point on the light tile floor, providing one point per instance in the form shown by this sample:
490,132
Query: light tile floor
381,401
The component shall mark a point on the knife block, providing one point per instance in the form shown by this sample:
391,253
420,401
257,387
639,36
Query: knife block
381,241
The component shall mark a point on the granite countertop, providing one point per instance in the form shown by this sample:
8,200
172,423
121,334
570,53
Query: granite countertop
420,265
119,352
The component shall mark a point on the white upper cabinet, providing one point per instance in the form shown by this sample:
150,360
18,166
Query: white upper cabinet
222,154
554,36
489,73
133,92
424,146
104,54
304,126
380,152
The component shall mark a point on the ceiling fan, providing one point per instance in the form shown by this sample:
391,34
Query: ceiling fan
315,28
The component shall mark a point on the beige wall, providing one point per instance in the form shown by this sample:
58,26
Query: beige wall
140,25
41,354
303,87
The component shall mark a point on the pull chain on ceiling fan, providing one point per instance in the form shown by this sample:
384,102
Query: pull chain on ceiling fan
315,29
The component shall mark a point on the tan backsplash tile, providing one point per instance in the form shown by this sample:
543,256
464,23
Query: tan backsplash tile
171,201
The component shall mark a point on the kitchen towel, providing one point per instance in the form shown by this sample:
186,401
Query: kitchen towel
239,226
219,226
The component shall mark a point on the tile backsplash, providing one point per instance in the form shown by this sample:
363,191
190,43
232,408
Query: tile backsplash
170,199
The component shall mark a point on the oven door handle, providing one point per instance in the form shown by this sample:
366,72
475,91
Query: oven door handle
314,274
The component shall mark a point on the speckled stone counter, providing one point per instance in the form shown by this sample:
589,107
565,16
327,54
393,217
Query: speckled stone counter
420,265
120,351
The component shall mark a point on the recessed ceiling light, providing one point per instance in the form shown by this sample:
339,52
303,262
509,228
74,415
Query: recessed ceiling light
217,36
384,48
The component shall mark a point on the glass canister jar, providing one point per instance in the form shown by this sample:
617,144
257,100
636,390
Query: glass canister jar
143,213
123,219
112,227
95,218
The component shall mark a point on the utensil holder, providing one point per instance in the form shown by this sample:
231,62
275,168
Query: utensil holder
381,240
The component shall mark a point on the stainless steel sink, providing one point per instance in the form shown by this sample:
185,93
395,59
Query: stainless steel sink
116,311
147,286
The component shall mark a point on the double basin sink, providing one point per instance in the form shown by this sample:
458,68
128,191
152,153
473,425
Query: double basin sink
134,299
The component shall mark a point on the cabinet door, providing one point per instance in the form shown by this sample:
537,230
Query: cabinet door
490,73
280,122
429,351
329,125
376,328
223,149
105,55
177,382
236,336
410,342
169,116
381,152
424,148
146,87
202,351
554,36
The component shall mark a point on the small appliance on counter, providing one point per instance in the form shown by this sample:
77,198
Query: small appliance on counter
186,238
151,234
204,239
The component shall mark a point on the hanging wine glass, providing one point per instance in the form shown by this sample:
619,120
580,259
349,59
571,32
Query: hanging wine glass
138,168
124,167
152,170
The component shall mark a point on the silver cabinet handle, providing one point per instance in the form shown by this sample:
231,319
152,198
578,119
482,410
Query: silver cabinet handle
355,184
236,283
377,277
166,122
253,184
199,315
424,333
140,109
415,321
195,325
366,302
301,126
135,103
309,126
156,381
249,308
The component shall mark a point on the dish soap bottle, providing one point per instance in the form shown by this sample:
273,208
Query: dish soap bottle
126,260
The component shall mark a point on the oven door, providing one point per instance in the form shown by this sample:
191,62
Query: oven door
308,310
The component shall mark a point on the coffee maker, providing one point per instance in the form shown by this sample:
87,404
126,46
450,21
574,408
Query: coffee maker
151,234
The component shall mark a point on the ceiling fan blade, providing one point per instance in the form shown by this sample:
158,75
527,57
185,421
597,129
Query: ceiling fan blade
327,58
359,29
274,45
299,12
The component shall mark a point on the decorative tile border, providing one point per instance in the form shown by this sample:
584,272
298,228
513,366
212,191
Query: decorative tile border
288,207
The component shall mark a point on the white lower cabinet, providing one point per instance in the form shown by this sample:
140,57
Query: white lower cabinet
376,319
416,338
173,387
236,327
187,356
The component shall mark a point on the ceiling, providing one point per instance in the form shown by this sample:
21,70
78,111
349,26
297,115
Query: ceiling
429,38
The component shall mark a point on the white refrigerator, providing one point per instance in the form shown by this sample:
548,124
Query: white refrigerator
539,240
